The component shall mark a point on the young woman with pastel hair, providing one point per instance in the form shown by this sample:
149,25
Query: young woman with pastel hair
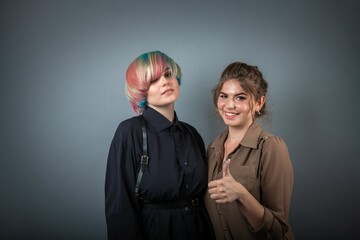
142,72
165,202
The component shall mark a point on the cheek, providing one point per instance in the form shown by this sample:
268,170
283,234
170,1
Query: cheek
245,108
243,105
151,94
219,104
177,88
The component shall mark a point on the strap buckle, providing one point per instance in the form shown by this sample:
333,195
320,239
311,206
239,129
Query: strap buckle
195,202
144,159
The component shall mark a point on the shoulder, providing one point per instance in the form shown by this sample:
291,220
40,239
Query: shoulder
274,148
189,127
275,157
192,130
219,139
272,140
127,127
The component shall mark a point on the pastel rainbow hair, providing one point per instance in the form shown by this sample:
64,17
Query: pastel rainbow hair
145,69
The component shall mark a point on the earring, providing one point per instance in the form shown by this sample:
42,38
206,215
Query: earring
258,112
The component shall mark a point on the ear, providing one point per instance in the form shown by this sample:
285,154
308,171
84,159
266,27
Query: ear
260,103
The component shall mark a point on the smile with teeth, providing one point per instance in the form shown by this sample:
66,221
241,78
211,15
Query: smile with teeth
230,115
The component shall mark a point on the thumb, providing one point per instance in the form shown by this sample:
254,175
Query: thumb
226,165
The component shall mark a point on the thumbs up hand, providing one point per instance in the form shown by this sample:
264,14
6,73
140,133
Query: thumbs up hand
226,189
225,168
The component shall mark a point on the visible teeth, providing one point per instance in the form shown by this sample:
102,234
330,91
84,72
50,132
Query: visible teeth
230,114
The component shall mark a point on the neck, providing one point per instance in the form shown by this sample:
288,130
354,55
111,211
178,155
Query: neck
166,111
237,134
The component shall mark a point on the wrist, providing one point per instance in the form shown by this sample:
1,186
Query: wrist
240,193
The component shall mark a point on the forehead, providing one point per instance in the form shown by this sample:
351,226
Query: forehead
232,86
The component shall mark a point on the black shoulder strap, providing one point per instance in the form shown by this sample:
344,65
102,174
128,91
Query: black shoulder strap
144,158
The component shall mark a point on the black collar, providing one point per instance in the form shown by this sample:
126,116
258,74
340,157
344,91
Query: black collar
158,121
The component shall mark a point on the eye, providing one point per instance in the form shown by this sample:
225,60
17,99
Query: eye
223,96
240,98
168,74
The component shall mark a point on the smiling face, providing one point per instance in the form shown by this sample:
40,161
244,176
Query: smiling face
235,106
163,92
240,93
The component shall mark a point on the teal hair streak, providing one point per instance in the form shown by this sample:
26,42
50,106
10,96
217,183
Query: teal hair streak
143,103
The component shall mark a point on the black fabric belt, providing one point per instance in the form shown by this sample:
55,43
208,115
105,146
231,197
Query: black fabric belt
171,204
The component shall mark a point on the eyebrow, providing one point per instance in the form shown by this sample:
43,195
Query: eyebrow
237,94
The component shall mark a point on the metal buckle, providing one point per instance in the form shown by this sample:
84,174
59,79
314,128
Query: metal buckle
144,159
195,202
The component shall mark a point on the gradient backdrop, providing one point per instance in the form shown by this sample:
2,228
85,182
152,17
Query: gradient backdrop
62,67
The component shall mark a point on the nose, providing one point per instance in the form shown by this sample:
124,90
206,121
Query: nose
164,81
230,103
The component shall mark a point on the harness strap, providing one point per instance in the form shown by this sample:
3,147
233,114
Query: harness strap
144,158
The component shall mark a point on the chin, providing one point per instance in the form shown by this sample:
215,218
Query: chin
230,123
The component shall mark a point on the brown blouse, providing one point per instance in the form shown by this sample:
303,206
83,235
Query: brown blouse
262,164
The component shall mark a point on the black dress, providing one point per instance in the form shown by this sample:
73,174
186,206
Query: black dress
176,170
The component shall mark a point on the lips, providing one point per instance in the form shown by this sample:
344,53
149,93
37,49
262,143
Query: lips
167,91
230,115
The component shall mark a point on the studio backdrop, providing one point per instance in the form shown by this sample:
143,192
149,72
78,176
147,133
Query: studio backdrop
62,78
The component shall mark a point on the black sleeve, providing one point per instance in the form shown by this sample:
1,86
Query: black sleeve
201,146
198,140
121,206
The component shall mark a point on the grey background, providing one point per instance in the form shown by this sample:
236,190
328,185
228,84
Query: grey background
62,67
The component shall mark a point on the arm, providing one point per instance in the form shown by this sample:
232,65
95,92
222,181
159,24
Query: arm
276,184
122,216
198,139
201,145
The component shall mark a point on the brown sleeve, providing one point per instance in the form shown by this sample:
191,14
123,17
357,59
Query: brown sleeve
276,188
